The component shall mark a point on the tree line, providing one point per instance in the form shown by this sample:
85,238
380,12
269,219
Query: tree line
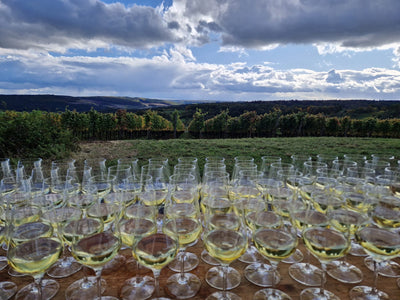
52,134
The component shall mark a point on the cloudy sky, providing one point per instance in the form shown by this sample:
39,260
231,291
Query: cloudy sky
202,49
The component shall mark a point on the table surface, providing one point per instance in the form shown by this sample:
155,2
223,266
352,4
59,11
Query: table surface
246,290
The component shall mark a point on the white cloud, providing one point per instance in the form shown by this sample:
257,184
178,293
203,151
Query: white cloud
170,76
38,39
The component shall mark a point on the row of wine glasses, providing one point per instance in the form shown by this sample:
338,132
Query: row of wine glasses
311,202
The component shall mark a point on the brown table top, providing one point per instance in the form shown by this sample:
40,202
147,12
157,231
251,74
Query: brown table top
246,289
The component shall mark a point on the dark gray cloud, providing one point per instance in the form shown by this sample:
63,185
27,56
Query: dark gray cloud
259,23
42,23
47,24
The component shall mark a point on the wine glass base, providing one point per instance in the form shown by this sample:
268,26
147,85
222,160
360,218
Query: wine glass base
50,288
367,292
208,259
114,265
64,268
183,288
191,262
251,256
14,273
84,288
138,288
344,272
3,262
295,258
357,250
271,294
317,294
262,275
385,268
214,277
222,295
7,289
306,274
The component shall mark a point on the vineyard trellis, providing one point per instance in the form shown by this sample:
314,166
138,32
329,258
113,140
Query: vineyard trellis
52,133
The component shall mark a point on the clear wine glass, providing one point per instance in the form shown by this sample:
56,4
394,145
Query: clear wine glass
225,238
85,287
258,216
346,220
139,221
214,184
184,194
58,216
158,183
155,251
325,244
223,214
96,249
185,218
243,190
32,249
275,244
381,244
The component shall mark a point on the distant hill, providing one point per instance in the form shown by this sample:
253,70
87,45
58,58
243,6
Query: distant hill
356,109
55,103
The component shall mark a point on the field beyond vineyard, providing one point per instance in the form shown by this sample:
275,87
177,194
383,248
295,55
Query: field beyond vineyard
229,148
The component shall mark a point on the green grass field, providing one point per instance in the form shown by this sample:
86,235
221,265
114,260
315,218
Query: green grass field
229,148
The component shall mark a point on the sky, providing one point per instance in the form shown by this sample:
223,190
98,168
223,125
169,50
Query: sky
217,50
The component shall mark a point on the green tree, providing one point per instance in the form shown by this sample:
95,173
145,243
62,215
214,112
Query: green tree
197,124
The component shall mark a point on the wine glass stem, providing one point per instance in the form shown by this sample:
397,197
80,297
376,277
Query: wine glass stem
38,283
323,279
274,270
224,279
183,254
137,272
98,281
376,274
156,274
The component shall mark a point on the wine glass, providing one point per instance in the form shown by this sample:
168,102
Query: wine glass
184,217
156,250
158,183
385,214
257,216
275,244
32,249
139,221
241,193
7,288
222,212
327,158
184,195
58,216
346,220
95,249
72,230
381,244
304,216
326,244
225,238
214,184
133,163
